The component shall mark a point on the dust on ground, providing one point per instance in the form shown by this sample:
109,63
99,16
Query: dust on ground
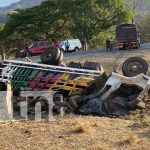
82,132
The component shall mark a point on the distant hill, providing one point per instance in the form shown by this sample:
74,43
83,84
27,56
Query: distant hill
22,4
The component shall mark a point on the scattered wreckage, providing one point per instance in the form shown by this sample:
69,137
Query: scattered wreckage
86,89
119,95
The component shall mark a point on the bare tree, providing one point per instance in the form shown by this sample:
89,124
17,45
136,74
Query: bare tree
138,8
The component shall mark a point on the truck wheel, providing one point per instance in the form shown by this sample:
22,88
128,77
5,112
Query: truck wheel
62,50
50,56
123,48
134,66
75,65
92,66
136,47
76,49
61,56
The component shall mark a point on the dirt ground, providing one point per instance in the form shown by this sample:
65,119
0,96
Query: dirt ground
77,133
107,60
82,132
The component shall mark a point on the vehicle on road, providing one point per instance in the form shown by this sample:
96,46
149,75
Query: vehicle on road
127,36
70,45
36,48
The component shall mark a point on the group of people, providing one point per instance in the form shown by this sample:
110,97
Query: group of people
110,44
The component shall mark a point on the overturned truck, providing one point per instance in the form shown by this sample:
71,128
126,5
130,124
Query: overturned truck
85,91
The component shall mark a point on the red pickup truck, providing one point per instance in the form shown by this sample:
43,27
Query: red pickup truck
36,48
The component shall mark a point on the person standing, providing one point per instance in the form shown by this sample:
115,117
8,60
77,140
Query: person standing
27,52
111,44
67,46
108,44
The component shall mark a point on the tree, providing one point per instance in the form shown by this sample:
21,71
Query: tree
145,29
1,43
92,17
138,8
61,19
1,26
46,21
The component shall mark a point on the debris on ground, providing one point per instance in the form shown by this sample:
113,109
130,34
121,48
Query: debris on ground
119,95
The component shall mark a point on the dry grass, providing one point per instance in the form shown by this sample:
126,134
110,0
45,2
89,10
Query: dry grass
74,133
98,146
129,140
82,126
132,140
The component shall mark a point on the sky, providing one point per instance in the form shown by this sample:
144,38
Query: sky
4,3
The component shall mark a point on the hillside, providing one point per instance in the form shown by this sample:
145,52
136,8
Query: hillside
22,4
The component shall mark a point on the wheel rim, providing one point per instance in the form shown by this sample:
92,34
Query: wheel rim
49,55
76,50
135,67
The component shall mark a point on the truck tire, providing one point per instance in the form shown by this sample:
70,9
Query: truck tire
134,66
62,50
76,49
136,47
75,65
92,66
61,56
50,56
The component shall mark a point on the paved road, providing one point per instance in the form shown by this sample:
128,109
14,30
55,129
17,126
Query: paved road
95,52
88,53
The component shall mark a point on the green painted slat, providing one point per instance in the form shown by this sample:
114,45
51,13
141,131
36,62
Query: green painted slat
22,77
